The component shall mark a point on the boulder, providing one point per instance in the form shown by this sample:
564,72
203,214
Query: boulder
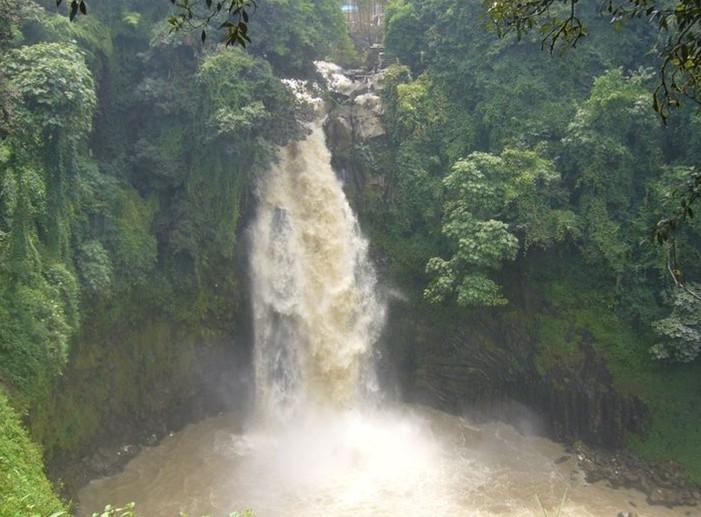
367,110
339,130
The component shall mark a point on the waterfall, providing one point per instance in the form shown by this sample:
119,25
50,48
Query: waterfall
318,449
315,305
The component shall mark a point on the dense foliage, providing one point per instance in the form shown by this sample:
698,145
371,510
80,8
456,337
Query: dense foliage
678,48
533,154
519,188
128,158
515,172
511,179
149,202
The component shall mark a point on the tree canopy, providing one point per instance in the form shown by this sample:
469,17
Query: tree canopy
678,49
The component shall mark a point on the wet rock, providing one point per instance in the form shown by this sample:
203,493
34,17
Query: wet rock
663,484
102,460
354,130
107,461
581,403
336,79
356,116
339,130
351,124
129,451
367,109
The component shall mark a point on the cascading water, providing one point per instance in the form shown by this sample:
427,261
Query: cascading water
320,448
316,310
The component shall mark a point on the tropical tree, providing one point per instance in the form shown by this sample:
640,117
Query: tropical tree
494,205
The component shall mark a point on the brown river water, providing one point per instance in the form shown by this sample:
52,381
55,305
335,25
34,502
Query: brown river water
400,461
319,447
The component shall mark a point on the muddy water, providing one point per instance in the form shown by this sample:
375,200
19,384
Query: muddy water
320,448
399,461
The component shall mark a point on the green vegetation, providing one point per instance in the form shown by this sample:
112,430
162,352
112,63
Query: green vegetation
23,485
149,200
127,160
556,169
517,188
563,22
680,330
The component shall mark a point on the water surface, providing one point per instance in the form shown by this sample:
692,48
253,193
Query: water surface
400,461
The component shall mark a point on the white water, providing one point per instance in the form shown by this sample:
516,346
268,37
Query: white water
315,305
322,445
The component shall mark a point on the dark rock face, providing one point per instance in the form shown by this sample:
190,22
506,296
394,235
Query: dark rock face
353,125
354,122
487,372
581,403
339,129
483,362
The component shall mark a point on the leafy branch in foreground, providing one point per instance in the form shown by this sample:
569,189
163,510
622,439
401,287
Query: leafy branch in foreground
200,15
74,6
232,16
559,22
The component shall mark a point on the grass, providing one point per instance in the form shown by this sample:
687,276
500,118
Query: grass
24,488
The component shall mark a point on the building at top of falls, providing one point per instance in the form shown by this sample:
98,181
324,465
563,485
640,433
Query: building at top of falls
366,21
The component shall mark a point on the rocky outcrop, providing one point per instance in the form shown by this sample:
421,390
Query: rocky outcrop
339,129
356,118
664,484
354,127
366,113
